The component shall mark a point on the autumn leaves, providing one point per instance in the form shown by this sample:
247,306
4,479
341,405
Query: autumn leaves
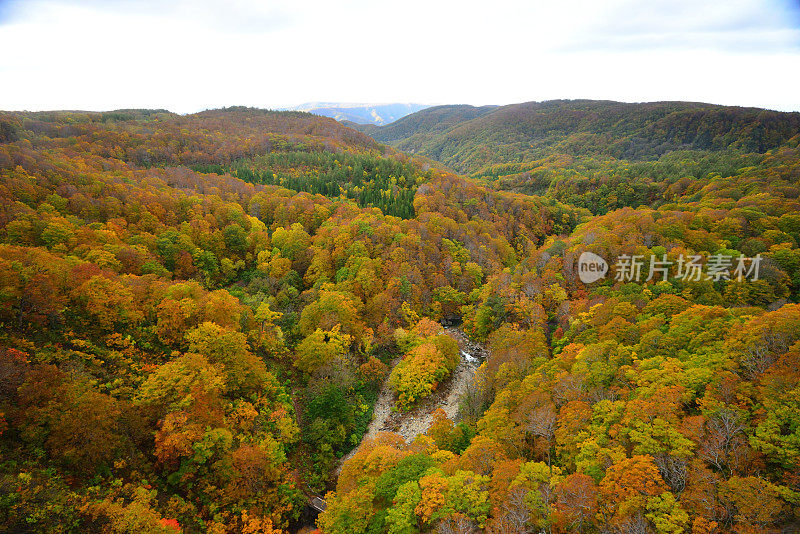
429,356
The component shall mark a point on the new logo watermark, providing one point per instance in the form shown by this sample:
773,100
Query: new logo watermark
591,267
692,268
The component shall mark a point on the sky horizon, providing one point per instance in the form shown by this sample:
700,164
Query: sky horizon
184,56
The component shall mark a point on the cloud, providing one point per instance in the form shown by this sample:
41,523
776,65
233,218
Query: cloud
766,42
190,55
725,25
237,16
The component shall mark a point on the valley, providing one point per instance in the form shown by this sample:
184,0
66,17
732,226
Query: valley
447,398
207,320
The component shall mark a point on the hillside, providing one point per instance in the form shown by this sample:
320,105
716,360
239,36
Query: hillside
597,155
470,139
183,346
201,314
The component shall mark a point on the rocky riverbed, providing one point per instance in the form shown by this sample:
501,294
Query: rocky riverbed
446,397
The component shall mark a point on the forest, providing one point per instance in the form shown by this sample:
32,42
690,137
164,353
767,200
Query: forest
198,313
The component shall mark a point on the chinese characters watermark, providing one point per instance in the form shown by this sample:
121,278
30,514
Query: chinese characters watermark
636,268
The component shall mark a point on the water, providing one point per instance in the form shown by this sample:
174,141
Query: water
469,357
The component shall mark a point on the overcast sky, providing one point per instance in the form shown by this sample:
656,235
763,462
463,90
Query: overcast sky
189,55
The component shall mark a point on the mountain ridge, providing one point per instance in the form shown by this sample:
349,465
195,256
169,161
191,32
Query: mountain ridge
460,136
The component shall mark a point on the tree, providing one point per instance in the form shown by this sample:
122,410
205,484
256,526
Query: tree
482,455
432,497
79,425
724,443
268,335
457,524
137,513
760,342
541,423
332,308
422,368
576,502
108,302
513,515
627,486
751,502
401,518
223,309
450,437
778,434
320,348
291,241
175,317
244,371
176,384
666,514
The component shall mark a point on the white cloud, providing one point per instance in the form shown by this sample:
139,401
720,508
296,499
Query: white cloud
191,55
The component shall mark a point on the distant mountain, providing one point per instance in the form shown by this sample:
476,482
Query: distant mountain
379,114
470,139
427,122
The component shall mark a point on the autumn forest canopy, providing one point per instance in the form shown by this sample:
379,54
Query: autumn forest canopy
199,315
